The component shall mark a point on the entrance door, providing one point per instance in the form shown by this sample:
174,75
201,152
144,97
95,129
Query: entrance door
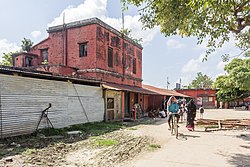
127,104
136,98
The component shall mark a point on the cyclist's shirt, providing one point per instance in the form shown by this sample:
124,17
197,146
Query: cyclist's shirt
173,108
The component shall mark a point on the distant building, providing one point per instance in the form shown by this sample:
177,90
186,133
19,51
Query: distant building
204,97
178,86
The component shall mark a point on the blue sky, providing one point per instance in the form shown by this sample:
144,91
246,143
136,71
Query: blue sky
173,57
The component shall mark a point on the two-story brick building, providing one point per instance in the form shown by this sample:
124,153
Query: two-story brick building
92,49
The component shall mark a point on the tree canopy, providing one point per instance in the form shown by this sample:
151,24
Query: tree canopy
201,81
236,84
7,59
127,32
26,44
214,20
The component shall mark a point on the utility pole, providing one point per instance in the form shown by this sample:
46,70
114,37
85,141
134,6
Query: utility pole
180,83
167,83
123,56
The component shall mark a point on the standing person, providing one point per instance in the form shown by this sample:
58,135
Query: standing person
172,109
181,112
201,110
191,113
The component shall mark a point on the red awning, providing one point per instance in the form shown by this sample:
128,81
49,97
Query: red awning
128,88
164,92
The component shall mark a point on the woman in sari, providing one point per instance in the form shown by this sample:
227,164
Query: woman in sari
191,113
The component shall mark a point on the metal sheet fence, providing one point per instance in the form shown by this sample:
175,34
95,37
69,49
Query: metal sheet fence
23,99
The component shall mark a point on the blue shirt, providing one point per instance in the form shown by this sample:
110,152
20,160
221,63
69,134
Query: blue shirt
173,108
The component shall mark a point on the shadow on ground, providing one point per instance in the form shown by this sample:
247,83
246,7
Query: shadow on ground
185,136
245,137
240,160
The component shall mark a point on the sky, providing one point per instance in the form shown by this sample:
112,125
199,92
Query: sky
174,58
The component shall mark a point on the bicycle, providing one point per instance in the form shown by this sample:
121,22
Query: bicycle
174,125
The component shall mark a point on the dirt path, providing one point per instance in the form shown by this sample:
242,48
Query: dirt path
199,148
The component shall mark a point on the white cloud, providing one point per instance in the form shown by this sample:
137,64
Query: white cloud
172,43
186,79
133,23
6,47
97,8
220,74
221,65
36,34
88,9
193,65
227,47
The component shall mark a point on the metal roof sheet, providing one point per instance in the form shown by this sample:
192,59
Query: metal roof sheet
120,87
164,92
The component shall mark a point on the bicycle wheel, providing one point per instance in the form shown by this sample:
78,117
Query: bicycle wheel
175,127
172,126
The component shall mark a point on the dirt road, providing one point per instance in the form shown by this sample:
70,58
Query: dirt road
199,148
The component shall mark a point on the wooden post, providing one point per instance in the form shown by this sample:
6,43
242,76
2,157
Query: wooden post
219,124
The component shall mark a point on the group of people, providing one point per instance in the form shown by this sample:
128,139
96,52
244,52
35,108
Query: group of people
173,108
178,109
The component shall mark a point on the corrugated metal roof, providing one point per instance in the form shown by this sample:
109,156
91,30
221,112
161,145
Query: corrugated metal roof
120,87
44,75
164,92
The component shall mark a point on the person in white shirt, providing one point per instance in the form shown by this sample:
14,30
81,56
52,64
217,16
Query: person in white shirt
162,113
201,110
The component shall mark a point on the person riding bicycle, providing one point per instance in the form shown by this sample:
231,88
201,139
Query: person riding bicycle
173,108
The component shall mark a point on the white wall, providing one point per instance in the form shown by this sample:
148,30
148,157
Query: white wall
23,99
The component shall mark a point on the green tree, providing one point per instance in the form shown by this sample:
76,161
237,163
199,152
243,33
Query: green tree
127,32
7,59
214,20
201,81
236,84
26,44
239,73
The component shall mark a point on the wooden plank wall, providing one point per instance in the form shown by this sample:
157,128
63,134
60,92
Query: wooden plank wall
23,99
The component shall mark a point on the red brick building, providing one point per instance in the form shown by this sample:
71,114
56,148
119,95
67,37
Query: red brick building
205,97
90,49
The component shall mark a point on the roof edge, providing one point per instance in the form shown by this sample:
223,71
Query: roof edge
90,21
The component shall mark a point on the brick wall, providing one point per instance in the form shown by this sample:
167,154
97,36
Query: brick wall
37,51
63,49
204,94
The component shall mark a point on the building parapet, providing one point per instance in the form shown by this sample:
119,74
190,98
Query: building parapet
90,21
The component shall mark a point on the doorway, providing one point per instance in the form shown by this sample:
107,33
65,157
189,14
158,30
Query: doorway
127,104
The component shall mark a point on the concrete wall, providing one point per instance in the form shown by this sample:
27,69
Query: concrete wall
23,99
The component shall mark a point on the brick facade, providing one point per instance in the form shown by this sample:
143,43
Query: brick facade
206,97
109,56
